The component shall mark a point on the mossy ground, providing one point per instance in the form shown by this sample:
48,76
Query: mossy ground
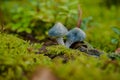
18,60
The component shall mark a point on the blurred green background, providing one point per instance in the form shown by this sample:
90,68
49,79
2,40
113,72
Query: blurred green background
100,19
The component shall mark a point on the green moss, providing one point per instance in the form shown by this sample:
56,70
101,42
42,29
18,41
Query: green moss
61,53
18,61
88,68
59,49
16,58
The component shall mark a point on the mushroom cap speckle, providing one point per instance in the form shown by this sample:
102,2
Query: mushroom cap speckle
76,34
58,30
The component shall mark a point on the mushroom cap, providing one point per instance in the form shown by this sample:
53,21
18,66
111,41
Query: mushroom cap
76,34
58,30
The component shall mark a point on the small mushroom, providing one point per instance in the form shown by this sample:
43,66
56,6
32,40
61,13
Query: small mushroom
74,35
58,31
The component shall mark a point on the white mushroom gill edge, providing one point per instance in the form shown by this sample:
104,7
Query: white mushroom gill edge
60,41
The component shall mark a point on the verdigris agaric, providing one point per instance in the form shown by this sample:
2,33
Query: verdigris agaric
58,31
74,35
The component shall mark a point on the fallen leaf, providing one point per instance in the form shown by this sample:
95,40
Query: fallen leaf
43,73
117,51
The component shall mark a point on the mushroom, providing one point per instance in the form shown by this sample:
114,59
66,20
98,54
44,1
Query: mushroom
58,31
74,35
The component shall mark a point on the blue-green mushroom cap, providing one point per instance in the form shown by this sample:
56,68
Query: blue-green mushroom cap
75,35
58,30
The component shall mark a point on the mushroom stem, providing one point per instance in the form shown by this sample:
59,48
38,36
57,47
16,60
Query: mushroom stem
60,41
68,43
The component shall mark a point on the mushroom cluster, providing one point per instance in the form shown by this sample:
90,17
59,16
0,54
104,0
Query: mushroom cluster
58,31
76,34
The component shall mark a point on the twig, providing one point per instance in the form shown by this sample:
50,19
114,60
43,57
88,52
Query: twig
79,17
1,21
